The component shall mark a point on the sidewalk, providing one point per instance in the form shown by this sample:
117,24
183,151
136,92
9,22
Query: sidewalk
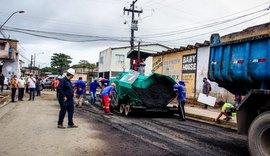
208,116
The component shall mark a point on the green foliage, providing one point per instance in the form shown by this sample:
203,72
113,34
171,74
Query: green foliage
85,64
45,70
60,62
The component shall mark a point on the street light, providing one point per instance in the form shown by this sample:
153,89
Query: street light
35,56
10,17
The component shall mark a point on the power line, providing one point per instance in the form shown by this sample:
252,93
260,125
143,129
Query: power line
210,32
206,26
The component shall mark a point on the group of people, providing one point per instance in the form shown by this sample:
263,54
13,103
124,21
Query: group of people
227,109
29,85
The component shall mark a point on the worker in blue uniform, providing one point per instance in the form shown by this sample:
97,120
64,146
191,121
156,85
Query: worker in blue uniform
80,87
93,91
181,97
106,93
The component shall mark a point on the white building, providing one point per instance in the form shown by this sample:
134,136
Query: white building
113,61
9,58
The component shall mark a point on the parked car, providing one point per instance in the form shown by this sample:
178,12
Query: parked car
6,84
47,82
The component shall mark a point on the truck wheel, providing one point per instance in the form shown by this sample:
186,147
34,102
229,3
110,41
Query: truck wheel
122,109
259,135
114,100
127,110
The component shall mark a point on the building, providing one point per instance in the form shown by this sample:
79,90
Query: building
87,74
9,58
113,61
189,64
28,70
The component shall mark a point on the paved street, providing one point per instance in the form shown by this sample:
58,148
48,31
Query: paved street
30,129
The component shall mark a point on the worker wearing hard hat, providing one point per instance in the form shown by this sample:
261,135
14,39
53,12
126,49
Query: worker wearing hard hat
65,98
106,92
181,97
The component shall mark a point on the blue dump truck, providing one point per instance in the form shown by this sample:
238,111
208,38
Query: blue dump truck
240,62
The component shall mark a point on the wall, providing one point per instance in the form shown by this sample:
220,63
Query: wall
106,64
10,68
172,65
191,66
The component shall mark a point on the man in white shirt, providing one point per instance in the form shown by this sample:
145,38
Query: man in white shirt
21,84
32,87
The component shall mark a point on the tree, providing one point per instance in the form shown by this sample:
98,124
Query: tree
61,62
46,70
85,64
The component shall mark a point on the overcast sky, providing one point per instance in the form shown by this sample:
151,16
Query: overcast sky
173,23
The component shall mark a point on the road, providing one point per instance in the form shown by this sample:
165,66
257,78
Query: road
30,129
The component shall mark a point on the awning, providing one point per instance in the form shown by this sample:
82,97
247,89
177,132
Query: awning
133,54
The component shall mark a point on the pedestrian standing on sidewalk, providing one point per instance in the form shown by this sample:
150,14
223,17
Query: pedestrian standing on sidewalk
66,99
181,97
2,81
32,87
206,89
52,84
38,84
21,85
106,92
93,91
26,83
56,83
80,87
14,87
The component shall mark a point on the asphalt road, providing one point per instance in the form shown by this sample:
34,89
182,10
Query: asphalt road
168,136
30,129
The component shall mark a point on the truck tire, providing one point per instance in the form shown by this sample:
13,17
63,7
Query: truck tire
127,110
259,135
122,109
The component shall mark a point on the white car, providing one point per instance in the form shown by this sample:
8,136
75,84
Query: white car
6,84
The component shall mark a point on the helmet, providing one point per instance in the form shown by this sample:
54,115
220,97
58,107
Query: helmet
71,71
113,84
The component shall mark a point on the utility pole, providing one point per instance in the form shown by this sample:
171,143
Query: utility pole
134,25
31,64
34,60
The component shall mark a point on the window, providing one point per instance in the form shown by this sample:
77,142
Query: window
2,46
101,59
120,58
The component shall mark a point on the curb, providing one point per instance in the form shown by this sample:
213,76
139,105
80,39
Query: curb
210,120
